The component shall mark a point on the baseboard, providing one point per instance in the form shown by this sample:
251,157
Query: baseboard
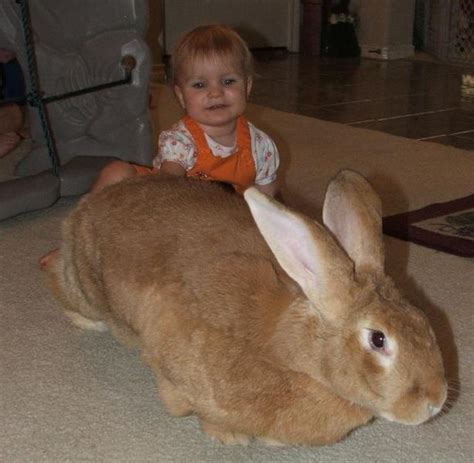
391,52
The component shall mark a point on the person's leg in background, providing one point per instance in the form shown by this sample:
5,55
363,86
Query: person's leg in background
12,88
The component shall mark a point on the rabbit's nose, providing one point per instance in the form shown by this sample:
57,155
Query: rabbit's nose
435,408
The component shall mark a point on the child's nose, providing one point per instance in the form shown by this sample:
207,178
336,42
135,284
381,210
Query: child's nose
215,90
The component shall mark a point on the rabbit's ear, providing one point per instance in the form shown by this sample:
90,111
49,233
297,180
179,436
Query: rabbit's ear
304,249
353,212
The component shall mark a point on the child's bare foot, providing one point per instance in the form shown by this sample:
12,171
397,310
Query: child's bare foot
8,142
46,259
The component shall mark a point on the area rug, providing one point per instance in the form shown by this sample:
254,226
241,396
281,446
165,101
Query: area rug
447,227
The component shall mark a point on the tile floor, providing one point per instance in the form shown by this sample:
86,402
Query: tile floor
415,98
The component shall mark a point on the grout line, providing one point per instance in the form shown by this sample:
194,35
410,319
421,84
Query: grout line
341,88
377,100
422,113
363,122
404,116
446,135
330,105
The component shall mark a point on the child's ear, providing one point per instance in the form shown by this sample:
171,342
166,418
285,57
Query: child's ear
249,86
179,96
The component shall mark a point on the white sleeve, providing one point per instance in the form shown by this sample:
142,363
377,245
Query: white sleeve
266,157
176,145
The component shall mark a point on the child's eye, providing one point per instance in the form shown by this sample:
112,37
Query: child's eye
228,81
198,85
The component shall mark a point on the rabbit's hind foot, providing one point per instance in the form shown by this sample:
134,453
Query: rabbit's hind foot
225,437
85,323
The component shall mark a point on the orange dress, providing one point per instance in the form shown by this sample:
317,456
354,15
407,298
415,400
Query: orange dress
237,169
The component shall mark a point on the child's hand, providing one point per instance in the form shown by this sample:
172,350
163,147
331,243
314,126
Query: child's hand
271,189
172,168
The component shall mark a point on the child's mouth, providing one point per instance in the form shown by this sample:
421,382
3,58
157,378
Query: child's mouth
216,106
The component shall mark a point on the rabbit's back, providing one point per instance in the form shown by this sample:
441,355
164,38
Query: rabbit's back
189,244
181,216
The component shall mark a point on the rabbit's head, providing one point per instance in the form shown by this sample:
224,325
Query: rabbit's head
352,331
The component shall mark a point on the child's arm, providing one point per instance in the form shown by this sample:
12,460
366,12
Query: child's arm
175,151
267,161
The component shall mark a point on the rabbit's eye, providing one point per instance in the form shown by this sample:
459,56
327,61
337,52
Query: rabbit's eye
377,340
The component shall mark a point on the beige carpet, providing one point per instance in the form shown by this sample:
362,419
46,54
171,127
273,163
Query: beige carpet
72,396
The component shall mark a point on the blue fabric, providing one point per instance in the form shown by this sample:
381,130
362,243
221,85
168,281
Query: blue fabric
12,81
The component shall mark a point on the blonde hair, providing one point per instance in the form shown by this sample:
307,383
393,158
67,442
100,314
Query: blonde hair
211,42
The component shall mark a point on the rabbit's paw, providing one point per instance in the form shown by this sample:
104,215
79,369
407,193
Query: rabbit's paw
85,323
225,437
175,403
271,442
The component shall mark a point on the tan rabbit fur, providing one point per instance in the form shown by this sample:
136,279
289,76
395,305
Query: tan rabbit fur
262,322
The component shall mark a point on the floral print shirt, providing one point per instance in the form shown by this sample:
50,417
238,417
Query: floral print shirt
177,145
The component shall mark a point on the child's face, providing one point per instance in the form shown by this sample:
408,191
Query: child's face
213,92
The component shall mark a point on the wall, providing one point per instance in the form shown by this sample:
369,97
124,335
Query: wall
154,38
262,23
386,28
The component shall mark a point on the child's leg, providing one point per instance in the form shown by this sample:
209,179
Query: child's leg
11,118
11,122
8,142
114,172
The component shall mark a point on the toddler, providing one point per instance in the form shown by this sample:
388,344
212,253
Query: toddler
212,79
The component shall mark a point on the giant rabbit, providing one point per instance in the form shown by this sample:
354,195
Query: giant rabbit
262,322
